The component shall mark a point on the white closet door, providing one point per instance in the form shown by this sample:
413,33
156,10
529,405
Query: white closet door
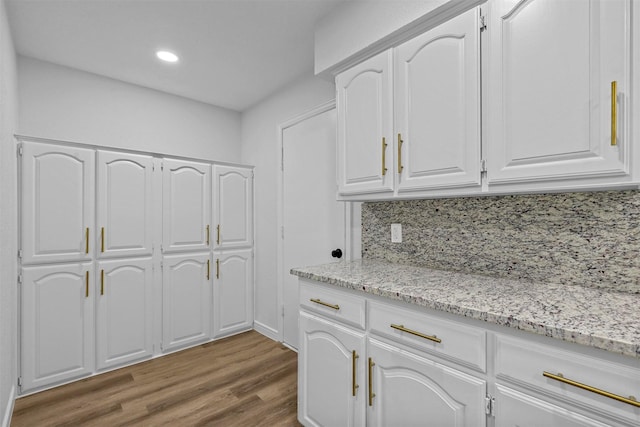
232,207
57,203
233,292
186,300
124,210
186,200
57,324
124,309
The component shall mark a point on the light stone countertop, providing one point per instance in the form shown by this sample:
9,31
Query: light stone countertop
599,318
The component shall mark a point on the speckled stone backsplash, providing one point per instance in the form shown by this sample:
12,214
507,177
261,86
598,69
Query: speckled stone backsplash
589,239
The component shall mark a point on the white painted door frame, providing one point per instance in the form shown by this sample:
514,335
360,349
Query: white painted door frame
322,108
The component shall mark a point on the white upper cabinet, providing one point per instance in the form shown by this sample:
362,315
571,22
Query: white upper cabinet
186,199
57,203
233,292
551,119
365,124
124,210
232,207
437,106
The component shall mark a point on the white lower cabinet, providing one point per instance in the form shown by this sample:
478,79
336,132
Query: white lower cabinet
186,300
123,311
57,324
409,390
233,292
331,374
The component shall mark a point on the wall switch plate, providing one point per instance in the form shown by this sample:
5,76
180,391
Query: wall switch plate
396,233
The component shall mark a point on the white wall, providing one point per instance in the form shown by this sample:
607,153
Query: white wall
260,148
8,222
66,104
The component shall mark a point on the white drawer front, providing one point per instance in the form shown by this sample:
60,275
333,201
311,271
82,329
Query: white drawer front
457,342
333,303
523,362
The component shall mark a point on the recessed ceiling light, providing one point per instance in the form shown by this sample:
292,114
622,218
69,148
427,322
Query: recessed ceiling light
167,56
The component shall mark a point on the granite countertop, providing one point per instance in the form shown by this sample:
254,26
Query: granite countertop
598,318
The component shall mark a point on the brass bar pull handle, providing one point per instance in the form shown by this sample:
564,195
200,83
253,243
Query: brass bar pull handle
400,141
416,333
86,284
208,234
101,282
208,269
354,386
384,156
218,236
371,393
102,239
218,268
559,377
326,304
86,238
614,113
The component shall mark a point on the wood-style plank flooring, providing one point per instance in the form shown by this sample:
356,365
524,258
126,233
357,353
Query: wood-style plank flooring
244,380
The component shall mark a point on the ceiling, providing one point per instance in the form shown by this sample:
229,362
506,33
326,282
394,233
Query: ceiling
233,53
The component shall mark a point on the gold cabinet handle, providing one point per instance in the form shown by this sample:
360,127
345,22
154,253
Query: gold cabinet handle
208,234
102,239
371,393
217,268
86,284
559,377
208,269
614,112
86,237
416,333
384,156
354,386
218,234
101,282
400,141
326,304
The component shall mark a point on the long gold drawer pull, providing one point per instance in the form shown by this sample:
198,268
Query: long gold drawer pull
86,284
614,112
218,236
208,234
102,239
559,377
416,333
208,269
371,393
218,268
384,156
326,304
354,386
86,237
101,282
400,141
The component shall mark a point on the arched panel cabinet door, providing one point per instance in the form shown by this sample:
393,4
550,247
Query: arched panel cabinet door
124,211
186,300
232,276
409,389
551,120
232,207
365,123
57,203
186,206
123,311
57,321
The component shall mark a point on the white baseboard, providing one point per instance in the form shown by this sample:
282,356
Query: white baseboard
6,420
267,331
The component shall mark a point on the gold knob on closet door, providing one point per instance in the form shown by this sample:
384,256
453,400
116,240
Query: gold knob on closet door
384,156
400,141
614,113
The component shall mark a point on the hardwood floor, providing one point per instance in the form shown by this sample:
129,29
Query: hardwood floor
244,380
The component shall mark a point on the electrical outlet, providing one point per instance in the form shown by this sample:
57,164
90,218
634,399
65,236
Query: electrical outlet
396,233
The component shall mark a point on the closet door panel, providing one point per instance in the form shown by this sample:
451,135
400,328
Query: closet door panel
233,292
233,207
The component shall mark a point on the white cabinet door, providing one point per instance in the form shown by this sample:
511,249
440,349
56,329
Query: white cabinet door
186,205
409,390
551,65
514,408
437,106
365,123
233,292
57,324
57,203
331,381
232,207
124,211
123,311
186,300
